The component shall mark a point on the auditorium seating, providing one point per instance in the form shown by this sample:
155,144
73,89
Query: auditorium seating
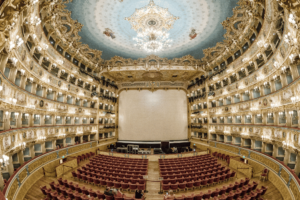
121,173
84,157
240,190
192,172
221,156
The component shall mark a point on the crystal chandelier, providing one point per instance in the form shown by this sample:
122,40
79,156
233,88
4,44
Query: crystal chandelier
152,24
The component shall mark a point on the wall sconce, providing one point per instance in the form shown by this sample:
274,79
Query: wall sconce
50,89
295,99
259,55
45,46
58,117
60,62
14,101
270,115
292,57
248,116
288,39
26,115
275,77
284,69
266,45
276,64
22,71
266,84
37,116
19,41
16,115
3,161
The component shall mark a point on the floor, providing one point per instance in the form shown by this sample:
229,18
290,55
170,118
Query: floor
153,185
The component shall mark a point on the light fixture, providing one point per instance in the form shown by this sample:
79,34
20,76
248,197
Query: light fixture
152,24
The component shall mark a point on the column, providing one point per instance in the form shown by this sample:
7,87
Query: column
263,148
272,85
10,167
276,118
252,144
275,150
34,86
19,120
21,157
294,72
246,71
42,120
68,78
283,79
44,92
59,73
12,74
255,65
297,166
23,82
3,62
287,154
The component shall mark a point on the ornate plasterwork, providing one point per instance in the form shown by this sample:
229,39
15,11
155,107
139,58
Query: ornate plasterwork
64,29
151,16
152,68
244,17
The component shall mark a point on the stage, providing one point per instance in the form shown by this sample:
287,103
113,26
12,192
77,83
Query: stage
153,144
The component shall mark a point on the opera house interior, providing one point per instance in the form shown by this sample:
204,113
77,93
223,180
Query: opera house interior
149,99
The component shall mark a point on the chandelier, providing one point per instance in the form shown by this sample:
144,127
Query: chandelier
152,24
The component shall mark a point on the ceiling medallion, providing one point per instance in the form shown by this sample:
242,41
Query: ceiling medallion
152,24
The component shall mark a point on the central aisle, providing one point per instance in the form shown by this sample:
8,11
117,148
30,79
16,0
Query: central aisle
153,187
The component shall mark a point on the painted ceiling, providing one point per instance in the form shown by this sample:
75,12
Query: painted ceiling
99,15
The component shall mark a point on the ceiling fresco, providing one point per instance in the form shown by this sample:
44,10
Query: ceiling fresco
105,28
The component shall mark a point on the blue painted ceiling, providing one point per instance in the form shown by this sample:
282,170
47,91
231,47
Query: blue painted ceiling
203,15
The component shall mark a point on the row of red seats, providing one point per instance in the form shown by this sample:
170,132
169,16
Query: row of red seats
246,192
208,161
194,164
208,169
112,159
117,167
188,177
222,156
184,159
131,173
110,177
93,179
183,184
68,191
84,156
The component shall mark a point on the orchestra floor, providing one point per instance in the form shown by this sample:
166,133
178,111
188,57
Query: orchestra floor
34,193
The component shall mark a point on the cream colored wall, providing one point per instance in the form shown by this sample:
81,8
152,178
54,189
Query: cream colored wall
151,116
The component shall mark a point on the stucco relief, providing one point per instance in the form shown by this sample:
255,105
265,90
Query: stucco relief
235,129
287,94
30,134
245,106
6,142
21,97
267,132
278,133
256,130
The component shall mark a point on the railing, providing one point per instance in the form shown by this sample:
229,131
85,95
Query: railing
26,167
288,176
162,155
